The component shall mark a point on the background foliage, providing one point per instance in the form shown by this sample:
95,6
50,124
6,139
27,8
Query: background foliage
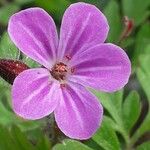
126,123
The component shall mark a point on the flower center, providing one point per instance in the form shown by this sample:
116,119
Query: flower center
59,71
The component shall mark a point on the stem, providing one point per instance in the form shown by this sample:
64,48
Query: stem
50,129
125,135
128,140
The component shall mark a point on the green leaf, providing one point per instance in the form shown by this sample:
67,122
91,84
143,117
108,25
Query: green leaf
30,62
21,139
112,103
6,11
71,145
92,144
114,19
55,7
127,42
147,49
8,117
100,4
106,136
9,51
142,38
144,146
14,139
7,141
7,48
136,9
145,127
23,2
141,42
143,73
131,110
43,144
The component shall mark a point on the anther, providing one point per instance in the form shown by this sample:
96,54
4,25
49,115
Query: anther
62,86
59,71
68,57
72,70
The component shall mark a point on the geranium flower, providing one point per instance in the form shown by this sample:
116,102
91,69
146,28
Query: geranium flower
78,59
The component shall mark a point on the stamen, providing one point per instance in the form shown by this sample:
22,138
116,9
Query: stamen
62,86
72,70
68,57
59,71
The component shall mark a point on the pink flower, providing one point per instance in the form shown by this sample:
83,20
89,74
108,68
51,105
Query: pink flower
77,60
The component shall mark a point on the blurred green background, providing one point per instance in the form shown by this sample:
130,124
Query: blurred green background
126,123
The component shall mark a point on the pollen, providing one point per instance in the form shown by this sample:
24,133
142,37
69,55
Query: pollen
59,71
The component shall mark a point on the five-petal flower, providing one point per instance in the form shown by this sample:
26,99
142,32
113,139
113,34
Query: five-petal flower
77,60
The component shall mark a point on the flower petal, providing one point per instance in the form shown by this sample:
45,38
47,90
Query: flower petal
34,94
83,25
105,67
34,32
79,113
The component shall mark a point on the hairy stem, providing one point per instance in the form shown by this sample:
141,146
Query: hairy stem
50,129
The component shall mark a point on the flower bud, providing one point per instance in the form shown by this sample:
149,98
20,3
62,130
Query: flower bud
10,69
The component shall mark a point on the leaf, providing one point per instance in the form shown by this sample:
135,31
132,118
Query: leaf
14,139
114,19
92,144
131,110
100,4
141,42
6,11
43,144
7,48
21,139
8,117
30,62
55,7
145,127
112,103
136,9
9,51
71,145
7,141
143,73
23,2
127,42
144,146
106,136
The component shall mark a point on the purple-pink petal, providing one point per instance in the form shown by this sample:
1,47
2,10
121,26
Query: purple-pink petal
34,94
83,25
79,113
105,67
34,32
78,60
